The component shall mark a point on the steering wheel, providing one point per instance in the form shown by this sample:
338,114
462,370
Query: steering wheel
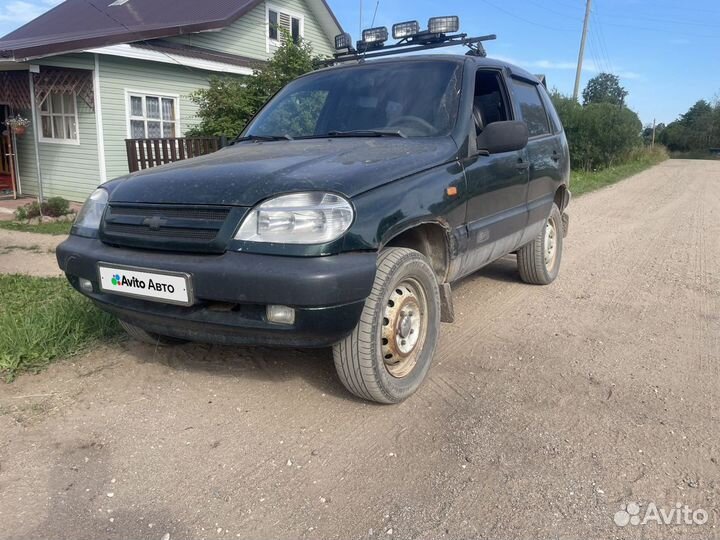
408,119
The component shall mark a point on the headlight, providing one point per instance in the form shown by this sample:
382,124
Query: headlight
92,211
299,218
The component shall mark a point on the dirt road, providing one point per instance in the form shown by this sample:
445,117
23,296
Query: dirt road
546,410
28,253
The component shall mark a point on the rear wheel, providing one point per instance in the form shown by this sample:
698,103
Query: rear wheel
389,353
150,338
539,261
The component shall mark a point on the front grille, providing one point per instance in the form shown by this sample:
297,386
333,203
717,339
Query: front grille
179,213
170,227
195,234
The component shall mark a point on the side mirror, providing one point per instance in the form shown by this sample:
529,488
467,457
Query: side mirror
500,137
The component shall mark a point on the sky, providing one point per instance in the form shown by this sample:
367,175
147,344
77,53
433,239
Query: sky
667,53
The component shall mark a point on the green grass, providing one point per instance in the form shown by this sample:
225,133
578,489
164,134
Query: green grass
43,319
584,182
57,228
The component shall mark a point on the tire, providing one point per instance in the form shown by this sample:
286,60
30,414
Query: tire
150,338
539,261
388,355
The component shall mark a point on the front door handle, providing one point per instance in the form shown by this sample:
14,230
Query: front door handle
523,166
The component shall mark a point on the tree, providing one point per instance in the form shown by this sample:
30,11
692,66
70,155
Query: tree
226,106
647,133
599,134
696,130
604,88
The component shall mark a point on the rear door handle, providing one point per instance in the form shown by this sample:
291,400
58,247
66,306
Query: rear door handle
523,166
555,157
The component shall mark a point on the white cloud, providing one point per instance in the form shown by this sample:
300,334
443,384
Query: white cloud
20,11
556,65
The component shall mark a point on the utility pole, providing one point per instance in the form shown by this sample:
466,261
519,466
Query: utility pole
581,56
361,21
653,139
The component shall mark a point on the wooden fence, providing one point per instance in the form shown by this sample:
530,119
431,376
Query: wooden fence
148,153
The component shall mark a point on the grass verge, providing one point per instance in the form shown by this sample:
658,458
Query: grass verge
42,319
57,228
584,182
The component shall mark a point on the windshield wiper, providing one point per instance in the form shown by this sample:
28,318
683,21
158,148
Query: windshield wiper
266,138
367,133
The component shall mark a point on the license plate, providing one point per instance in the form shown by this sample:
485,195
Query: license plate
154,285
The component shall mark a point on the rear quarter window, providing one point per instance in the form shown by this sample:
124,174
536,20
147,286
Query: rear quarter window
532,108
552,113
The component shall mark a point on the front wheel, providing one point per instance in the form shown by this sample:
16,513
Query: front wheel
539,261
389,353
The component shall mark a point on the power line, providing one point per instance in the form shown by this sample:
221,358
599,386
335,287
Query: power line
595,51
550,10
600,41
528,21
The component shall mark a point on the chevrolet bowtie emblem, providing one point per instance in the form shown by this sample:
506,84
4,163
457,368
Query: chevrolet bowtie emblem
154,222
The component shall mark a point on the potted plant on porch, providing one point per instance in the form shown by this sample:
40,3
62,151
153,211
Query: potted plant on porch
18,125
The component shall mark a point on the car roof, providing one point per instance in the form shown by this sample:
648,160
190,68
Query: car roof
479,61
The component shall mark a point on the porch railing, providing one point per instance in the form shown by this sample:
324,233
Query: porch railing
148,153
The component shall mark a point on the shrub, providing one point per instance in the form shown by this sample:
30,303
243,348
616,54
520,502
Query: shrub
54,207
28,211
599,134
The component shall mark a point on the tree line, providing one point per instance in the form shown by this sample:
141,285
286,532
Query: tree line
698,130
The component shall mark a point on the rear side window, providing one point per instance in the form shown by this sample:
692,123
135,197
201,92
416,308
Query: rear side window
552,113
531,108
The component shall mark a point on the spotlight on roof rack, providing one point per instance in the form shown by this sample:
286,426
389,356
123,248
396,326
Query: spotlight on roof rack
375,37
405,29
444,25
343,41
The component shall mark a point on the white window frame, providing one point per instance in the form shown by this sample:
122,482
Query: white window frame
129,92
53,140
277,9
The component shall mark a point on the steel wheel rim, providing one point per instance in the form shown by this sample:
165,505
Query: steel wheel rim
404,328
550,243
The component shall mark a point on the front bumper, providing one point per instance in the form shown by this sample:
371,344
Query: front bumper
232,291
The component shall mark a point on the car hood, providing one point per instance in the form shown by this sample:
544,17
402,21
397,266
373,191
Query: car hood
246,173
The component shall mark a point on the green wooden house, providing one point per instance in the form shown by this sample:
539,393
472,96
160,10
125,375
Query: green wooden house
91,74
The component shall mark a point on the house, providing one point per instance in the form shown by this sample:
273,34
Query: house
90,74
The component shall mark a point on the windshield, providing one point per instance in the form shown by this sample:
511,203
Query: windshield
413,99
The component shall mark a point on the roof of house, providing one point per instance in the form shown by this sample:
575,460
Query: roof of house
76,25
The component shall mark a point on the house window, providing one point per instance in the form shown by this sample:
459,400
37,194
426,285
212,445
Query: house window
58,118
152,117
279,21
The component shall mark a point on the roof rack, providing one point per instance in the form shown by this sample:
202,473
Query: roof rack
438,35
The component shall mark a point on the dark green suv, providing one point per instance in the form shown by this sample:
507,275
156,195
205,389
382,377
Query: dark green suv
339,218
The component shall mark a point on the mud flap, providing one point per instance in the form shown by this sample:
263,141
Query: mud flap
447,310
566,224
